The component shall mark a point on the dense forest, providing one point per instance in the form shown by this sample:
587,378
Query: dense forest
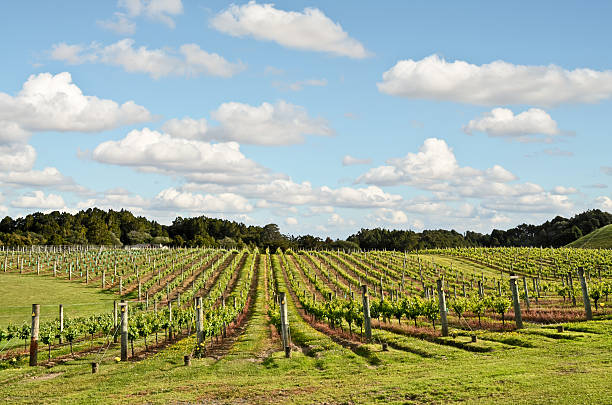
97,227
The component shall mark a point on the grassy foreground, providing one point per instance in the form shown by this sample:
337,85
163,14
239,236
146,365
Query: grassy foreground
20,291
556,371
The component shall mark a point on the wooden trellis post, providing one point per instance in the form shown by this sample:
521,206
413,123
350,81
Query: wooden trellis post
515,300
34,334
285,324
585,294
124,330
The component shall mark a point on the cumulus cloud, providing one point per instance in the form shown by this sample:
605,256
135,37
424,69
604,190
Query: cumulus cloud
153,151
16,157
54,103
604,202
189,61
435,168
291,221
187,128
434,162
349,160
47,177
308,30
496,83
390,216
532,203
224,202
525,127
39,200
157,10
119,24
289,193
267,124
281,123
561,190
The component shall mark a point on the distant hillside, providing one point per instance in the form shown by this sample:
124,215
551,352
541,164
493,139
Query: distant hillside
598,239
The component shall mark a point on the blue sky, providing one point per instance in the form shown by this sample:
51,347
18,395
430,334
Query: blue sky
321,117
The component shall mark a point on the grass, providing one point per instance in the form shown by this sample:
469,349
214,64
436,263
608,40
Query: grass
531,366
19,292
598,239
563,371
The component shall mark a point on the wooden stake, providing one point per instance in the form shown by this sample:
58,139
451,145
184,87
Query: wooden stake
34,334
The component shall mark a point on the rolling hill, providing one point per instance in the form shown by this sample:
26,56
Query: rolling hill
598,239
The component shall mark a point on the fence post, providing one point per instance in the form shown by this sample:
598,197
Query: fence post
61,325
169,320
199,321
124,330
442,307
570,281
585,294
285,324
526,292
367,322
115,323
34,334
515,300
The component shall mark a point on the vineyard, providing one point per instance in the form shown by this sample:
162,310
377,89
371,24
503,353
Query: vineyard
96,324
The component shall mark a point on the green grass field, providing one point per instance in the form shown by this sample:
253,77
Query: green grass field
535,365
19,292
559,371
598,239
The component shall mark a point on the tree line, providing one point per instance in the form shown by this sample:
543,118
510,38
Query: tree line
97,227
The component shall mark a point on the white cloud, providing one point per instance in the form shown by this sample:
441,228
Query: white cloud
187,128
607,170
335,220
557,152
47,177
39,200
605,203
349,160
16,157
119,24
53,103
288,193
496,83
308,30
189,61
225,202
435,168
159,10
11,132
564,190
597,185
434,162
390,216
273,71
291,221
299,85
321,210
152,151
524,127
531,203
267,124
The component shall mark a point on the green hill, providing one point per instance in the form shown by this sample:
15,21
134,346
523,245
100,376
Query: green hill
598,239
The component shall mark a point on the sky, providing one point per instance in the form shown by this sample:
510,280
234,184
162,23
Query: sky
321,117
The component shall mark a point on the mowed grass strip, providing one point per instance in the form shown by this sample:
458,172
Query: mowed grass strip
20,291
